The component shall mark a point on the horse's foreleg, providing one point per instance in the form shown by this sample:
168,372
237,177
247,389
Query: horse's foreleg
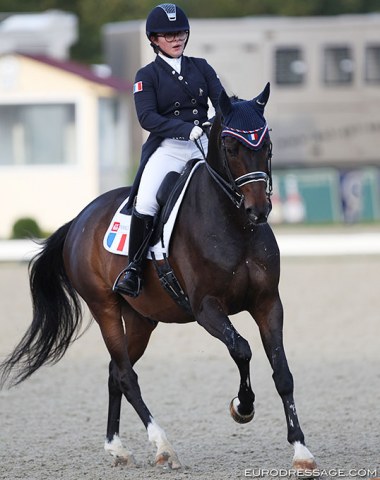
217,323
269,317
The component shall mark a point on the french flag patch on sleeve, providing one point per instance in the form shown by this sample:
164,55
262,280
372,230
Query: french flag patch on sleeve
137,87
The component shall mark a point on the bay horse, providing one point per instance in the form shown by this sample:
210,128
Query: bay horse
224,255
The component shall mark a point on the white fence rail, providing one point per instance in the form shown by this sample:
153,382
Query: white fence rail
291,245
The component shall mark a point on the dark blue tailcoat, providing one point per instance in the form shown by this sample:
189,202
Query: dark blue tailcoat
169,104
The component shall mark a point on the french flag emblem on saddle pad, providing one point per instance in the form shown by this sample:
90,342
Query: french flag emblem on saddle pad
116,238
137,87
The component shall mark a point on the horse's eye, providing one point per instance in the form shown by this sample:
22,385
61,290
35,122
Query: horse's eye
232,147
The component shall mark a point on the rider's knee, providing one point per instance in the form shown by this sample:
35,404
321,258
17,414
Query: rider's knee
146,207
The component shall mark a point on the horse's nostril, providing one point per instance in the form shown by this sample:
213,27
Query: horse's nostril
255,217
251,213
262,219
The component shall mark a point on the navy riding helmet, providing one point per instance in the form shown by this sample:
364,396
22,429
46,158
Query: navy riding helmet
165,18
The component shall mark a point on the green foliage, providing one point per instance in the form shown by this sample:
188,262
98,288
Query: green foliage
92,15
26,228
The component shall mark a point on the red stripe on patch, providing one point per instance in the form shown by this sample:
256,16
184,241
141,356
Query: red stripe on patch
120,247
137,87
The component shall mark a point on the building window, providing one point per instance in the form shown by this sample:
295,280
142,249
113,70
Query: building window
108,132
37,134
338,65
372,64
290,68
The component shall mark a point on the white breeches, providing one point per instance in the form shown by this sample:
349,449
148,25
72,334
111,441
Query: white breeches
171,155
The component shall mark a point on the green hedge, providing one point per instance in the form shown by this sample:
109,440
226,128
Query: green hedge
26,228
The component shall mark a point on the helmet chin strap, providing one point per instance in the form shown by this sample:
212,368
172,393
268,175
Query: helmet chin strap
157,49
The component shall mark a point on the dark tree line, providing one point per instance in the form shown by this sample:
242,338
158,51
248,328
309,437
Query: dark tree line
93,14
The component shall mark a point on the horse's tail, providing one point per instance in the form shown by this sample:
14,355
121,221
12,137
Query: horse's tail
57,313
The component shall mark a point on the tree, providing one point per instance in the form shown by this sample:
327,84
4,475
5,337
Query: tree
91,17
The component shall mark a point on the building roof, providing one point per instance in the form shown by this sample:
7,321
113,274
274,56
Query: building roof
83,71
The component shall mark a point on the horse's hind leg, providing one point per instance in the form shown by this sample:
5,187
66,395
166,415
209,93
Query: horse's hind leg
138,331
112,328
126,344
137,342
113,444
269,317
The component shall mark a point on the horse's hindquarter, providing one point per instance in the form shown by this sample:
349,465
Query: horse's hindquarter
88,265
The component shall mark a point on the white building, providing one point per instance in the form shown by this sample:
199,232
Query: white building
63,136
64,128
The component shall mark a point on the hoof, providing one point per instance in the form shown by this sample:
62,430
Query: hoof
128,460
305,465
238,417
306,469
303,461
121,455
166,461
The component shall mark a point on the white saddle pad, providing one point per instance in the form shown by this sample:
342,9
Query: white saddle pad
117,235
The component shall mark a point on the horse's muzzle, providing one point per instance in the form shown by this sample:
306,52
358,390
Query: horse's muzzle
257,219
257,215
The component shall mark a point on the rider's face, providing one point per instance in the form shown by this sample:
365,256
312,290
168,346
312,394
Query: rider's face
174,48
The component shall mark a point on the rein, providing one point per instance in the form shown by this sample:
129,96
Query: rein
229,189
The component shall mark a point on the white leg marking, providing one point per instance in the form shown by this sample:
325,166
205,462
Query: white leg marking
303,459
235,403
301,452
156,434
165,453
121,454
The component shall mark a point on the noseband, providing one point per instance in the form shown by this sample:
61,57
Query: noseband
253,176
232,187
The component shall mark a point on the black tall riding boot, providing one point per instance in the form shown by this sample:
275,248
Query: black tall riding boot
129,281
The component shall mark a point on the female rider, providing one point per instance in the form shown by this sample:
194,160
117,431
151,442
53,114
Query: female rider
171,99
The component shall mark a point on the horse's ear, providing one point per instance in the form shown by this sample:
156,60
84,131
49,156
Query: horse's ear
224,103
262,99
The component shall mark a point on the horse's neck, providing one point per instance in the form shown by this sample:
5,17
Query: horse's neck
215,152
212,202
